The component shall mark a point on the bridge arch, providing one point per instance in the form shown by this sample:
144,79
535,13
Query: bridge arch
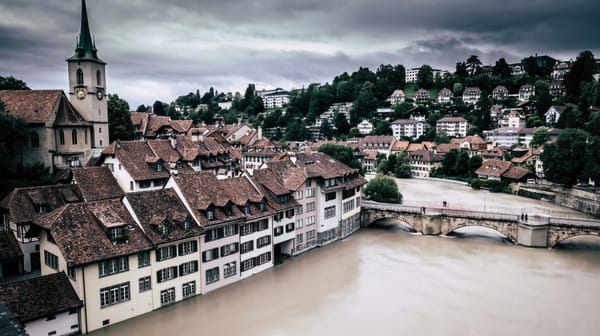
413,221
557,236
508,230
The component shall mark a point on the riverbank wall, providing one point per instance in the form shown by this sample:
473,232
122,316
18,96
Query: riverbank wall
583,201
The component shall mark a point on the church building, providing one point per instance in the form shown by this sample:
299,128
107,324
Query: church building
65,132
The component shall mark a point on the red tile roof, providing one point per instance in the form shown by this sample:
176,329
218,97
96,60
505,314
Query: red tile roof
96,183
33,106
40,297
136,156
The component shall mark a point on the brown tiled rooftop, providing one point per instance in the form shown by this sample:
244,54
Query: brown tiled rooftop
162,207
33,106
23,203
9,247
135,157
40,297
80,231
96,183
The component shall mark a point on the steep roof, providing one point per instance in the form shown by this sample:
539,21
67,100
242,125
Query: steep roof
425,155
162,207
33,106
40,297
140,121
493,168
135,157
9,247
80,231
86,48
96,183
516,173
23,203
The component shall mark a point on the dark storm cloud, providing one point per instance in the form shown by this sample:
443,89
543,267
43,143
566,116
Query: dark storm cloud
157,49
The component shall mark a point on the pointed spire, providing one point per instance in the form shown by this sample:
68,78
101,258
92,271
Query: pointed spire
86,45
85,37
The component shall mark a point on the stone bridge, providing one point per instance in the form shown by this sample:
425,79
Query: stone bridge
533,231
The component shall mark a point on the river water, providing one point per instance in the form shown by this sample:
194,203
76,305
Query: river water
386,281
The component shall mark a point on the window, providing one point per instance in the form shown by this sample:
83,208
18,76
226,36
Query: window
130,184
289,227
289,213
246,229
263,205
229,249
35,140
212,275
188,268
79,77
211,254
299,210
247,247
299,194
145,184
219,233
310,192
98,78
247,210
114,294
61,137
247,264
310,235
189,289
143,259
188,247
41,209
330,212
74,137
166,252
116,233
310,207
278,231
166,274
72,273
158,167
330,182
196,162
113,266
299,223
145,284
210,214
262,225
263,259
263,241
348,206
159,182
229,269
329,196
51,260
229,230
308,182
299,238
167,296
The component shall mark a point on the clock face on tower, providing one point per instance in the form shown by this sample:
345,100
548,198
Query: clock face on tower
80,93
100,94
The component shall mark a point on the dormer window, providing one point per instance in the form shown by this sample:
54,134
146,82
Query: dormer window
247,209
187,223
263,205
210,214
158,167
228,210
116,233
179,164
41,209
164,228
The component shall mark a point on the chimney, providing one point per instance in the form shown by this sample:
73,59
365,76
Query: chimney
173,141
259,136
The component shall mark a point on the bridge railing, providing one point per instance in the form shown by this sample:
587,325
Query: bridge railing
574,221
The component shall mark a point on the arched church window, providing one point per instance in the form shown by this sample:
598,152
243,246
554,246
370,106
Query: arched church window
61,137
35,140
98,78
74,137
79,77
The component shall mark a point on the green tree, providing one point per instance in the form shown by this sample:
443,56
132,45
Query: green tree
14,134
461,166
296,131
543,98
425,77
341,153
11,83
158,108
475,162
565,159
326,130
531,67
473,65
383,189
501,69
119,119
142,108
364,105
582,70
341,123
449,162
540,137
402,166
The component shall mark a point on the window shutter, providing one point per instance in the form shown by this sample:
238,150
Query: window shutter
195,265
180,269
195,245
174,272
180,249
159,277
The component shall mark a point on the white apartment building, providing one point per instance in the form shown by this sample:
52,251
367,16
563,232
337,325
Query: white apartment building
453,126
409,128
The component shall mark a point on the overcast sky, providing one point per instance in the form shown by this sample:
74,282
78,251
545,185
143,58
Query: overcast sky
159,49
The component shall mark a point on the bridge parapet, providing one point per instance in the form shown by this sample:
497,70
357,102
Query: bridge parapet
533,230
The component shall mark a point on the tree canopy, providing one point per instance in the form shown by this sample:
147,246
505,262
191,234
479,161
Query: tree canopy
383,189
11,83
341,153
119,119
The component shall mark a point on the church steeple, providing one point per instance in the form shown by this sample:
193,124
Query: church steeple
86,47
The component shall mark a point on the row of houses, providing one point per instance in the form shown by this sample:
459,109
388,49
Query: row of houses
127,252
471,95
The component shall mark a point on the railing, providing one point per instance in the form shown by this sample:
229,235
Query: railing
494,215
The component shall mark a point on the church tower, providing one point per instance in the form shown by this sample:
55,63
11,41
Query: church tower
87,83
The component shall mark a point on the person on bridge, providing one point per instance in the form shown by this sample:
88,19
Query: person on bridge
444,203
